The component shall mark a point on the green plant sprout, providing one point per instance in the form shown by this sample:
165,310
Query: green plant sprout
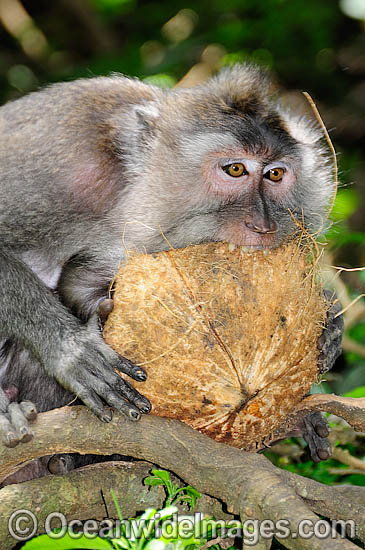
152,530
174,494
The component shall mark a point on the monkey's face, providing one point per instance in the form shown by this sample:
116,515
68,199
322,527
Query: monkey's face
224,162
216,187
248,191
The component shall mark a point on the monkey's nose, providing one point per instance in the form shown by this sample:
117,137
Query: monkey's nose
265,227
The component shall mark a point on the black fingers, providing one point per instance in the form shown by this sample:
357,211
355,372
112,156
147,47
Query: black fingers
127,367
111,389
92,374
98,387
93,402
315,431
319,424
114,400
130,393
124,388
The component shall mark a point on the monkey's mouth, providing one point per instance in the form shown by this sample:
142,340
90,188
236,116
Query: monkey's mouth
249,248
237,234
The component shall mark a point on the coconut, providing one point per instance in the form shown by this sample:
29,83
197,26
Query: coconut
227,338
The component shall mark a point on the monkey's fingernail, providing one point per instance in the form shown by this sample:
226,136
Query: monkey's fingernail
10,440
141,375
145,408
106,417
27,437
322,432
323,455
321,357
134,414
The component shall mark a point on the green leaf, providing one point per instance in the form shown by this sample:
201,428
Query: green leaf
161,80
44,542
355,479
192,491
347,201
116,504
153,481
161,474
121,543
357,392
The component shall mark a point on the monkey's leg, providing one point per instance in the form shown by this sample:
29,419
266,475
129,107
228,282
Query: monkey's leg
19,372
68,350
14,418
315,428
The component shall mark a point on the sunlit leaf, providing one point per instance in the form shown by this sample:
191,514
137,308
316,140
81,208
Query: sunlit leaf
357,392
44,542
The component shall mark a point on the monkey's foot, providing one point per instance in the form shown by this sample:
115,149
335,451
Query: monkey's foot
14,419
315,431
329,343
63,463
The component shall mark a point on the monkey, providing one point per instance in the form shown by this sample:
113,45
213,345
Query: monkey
97,166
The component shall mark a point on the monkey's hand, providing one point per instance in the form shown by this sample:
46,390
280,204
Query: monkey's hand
14,417
315,428
86,366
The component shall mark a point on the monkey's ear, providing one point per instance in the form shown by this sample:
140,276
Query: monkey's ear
147,115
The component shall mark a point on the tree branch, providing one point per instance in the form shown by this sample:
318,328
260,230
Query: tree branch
248,483
86,493
350,409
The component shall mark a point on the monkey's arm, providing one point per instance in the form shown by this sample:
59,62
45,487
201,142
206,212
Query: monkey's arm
70,351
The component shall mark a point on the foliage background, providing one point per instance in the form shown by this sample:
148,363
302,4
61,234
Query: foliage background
312,45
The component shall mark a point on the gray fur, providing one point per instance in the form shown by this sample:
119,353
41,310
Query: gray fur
92,167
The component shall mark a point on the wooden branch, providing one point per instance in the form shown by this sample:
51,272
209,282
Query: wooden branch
343,455
248,483
86,493
350,409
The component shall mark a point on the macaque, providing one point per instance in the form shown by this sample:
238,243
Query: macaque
97,166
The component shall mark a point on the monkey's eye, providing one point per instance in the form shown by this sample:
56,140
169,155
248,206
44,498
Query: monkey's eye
275,174
236,169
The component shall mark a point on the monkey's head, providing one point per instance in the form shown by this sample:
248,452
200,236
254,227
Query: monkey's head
223,161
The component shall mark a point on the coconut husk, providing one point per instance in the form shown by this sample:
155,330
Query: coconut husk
228,338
